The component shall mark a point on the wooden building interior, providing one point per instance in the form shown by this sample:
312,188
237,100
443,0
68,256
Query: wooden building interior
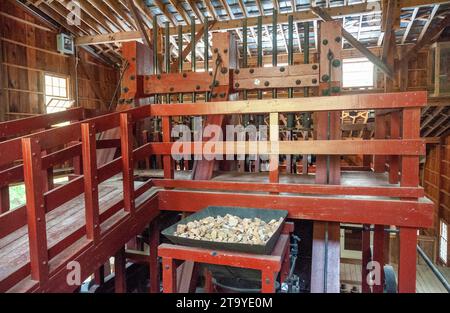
356,94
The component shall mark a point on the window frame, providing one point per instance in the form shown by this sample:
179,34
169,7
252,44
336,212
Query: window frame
51,97
441,240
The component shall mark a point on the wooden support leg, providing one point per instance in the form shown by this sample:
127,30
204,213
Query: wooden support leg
209,287
169,275
154,268
4,199
378,254
394,160
268,281
366,258
379,161
407,260
120,282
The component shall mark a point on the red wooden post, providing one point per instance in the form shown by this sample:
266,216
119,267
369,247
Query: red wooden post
167,159
267,281
145,141
169,275
379,161
394,159
120,282
126,139
76,161
407,260
99,275
366,258
153,262
378,254
209,287
37,229
89,152
409,178
4,199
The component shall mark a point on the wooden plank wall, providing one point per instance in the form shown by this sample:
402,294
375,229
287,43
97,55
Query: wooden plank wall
436,182
29,51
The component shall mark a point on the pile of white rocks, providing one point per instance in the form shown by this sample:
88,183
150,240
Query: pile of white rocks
229,228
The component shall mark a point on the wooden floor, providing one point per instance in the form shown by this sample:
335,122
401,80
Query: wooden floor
426,281
61,222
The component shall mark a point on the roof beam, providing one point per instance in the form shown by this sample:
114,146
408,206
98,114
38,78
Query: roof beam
427,24
140,24
430,36
355,43
410,24
304,16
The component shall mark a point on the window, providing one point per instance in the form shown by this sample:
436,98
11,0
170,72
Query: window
56,94
357,73
443,242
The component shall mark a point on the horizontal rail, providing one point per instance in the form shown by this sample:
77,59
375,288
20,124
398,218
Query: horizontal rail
312,104
398,192
26,125
332,209
326,147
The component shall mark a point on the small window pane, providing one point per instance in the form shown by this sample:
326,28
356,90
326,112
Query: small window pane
357,73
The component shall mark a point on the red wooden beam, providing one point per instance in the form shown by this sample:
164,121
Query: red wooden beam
37,229
344,210
126,136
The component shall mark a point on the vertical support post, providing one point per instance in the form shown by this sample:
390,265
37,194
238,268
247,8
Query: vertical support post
290,116
379,161
394,159
180,57
120,281
153,262
167,159
169,275
89,152
267,281
306,116
206,51
407,260
245,56
37,229
274,45
126,141
167,53
366,258
4,199
378,254
155,50
259,62
193,53
144,135
274,141
209,287
409,178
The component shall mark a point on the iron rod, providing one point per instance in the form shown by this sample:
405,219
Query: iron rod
434,269
260,51
274,45
167,52
290,121
155,51
180,57
193,52
206,52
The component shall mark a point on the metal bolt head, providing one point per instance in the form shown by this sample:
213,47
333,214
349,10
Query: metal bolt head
236,85
158,76
236,72
224,70
225,51
171,89
214,253
325,77
252,71
338,39
222,95
216,50
167,267
325,42
126,89
282,69
197,87
267,281
314,81
336,63
266,83
298,82
133,59
132,77
314,67
184,75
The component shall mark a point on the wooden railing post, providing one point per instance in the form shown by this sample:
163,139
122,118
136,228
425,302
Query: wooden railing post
126,139
37,229
409,178
89,152
4,199
167,159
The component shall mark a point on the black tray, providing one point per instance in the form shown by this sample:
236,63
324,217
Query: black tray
263,214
